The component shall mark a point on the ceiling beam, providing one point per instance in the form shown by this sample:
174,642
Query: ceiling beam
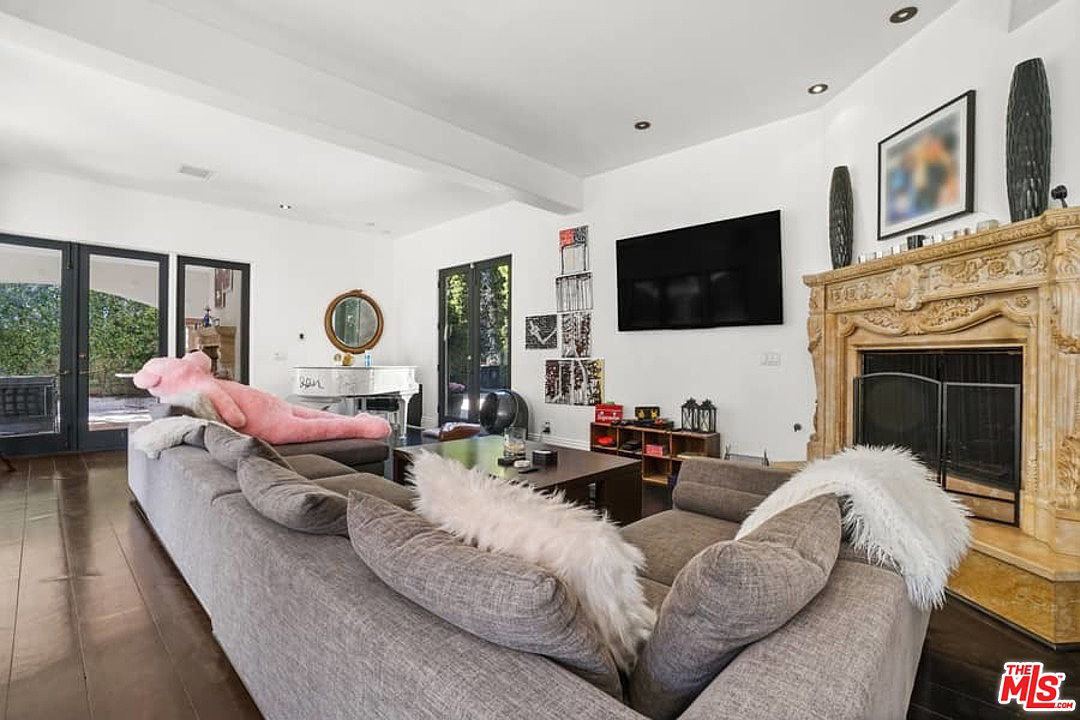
153,45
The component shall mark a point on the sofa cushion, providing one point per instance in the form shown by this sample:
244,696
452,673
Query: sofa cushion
312,506
583,549
730,595
670,538
229,447
380,487
725,489
654,592
291,500
353,452
314,467
497,597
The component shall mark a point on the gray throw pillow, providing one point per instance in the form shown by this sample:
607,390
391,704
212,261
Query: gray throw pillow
229,447
497,597
290,499
730,595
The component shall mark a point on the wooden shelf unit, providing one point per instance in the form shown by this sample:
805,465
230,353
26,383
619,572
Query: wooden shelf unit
655,469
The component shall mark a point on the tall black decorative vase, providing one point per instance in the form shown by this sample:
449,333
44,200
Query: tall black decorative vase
1027,141
841,224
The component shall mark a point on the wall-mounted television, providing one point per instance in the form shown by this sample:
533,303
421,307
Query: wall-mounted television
718,274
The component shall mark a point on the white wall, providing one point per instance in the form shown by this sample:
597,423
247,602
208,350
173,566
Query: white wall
759,170
968,47
296,268
785,165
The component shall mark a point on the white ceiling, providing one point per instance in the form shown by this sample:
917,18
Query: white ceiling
412,112
62,117
564,80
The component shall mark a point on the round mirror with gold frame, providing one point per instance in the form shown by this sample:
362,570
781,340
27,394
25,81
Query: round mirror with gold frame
353,322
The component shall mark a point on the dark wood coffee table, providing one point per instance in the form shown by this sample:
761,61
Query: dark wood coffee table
617,479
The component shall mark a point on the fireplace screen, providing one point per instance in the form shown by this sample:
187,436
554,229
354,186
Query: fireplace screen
958,412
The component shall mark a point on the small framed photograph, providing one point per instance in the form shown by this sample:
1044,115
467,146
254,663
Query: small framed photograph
926,171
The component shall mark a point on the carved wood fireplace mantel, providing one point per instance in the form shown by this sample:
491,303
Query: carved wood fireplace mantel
1016,286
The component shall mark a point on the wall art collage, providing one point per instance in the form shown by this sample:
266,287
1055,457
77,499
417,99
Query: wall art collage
576,378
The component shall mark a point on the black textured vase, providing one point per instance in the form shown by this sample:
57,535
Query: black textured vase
841,225
1027,141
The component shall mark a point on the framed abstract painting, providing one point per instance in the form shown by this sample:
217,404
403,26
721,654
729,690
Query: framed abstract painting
926,170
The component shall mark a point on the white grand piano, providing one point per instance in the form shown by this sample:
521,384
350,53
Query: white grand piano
353,385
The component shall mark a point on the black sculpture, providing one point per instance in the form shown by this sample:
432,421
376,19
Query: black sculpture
1027,141
501,409
1059,193
841,217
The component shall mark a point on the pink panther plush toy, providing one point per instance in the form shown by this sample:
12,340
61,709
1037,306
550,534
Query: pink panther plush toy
252,411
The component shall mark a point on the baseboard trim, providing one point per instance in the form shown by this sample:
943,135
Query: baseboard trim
557,441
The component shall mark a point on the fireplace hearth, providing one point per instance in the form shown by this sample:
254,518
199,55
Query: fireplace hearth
958,411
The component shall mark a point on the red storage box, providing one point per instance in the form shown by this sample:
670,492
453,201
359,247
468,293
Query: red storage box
608,412
654,450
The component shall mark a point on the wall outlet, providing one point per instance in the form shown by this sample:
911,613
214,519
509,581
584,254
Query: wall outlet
547,427
771,358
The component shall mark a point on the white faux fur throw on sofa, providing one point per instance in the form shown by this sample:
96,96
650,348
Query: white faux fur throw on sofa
892,510
164,433
585,551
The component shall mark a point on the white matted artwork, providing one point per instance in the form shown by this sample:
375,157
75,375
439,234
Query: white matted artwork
541,332
574,249
579,381
576,330
573,292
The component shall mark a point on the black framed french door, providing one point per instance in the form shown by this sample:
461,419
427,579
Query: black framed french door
76,322
37,345
474,335
213,314
122,321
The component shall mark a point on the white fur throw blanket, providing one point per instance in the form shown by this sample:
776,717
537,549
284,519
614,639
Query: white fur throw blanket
585,551
165,433
892,510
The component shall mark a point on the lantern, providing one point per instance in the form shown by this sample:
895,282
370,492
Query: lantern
706,417
689,415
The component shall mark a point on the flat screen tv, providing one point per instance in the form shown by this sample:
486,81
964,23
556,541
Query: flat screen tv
718,274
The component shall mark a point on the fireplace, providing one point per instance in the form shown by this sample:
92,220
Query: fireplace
958,411
968,351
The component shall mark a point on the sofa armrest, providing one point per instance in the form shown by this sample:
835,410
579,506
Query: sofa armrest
724,489
851,653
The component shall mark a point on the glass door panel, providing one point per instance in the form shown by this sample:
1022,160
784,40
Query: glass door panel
456,359
122,317
212,314
982,448
494,325
900,409
35,341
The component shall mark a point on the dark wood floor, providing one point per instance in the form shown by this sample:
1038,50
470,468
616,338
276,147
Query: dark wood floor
96,622
94,619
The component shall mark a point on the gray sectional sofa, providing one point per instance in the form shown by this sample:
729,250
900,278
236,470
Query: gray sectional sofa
313,633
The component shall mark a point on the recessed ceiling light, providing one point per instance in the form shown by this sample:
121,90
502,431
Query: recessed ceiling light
284,206
903,14
642,125
817,88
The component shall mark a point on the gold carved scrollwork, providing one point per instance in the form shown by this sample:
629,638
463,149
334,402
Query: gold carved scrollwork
939,316
1017,262
1068,473
1068,344
1067,256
